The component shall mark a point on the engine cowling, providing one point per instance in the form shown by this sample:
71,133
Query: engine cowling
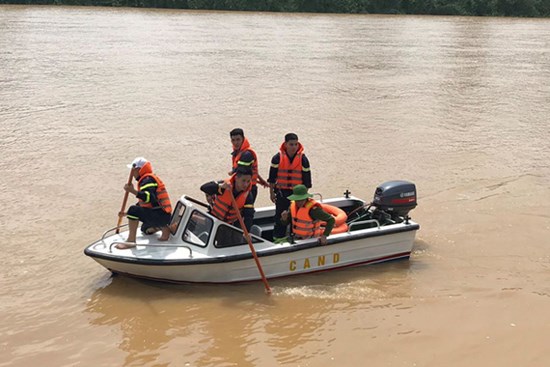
396,198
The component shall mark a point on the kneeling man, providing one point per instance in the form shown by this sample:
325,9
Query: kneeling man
153,207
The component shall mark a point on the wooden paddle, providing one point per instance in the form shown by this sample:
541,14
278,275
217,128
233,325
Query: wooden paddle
124,201
249,240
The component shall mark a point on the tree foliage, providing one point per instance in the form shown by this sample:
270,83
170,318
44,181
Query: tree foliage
524,8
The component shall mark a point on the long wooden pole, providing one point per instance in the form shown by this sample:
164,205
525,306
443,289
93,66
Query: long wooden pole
249,240
124,201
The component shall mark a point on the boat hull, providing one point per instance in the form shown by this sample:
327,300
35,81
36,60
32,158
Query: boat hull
287,260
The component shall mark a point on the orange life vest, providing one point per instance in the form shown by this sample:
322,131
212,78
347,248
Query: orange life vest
236,158
303,226
222,206
289,174
162,195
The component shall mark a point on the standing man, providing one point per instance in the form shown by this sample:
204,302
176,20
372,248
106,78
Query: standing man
289,167
244,156
153,207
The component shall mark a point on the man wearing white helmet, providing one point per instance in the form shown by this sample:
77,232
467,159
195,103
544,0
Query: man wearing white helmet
153,207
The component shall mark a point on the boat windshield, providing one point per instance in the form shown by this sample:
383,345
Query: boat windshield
198,230
177,214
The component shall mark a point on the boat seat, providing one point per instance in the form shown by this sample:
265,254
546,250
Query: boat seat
256,230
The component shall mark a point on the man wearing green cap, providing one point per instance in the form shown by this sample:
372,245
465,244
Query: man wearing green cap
306,216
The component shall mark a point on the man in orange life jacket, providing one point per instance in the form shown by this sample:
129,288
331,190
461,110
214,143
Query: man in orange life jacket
243,155
306,216
217,194
289,167
153,208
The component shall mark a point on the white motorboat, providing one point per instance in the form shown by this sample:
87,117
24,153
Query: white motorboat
203,249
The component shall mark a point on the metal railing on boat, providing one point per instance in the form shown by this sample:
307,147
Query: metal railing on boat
318,194
368,221
112,229
137,244
102,239
150,245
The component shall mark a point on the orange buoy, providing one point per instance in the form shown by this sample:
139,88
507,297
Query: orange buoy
340,229
340,218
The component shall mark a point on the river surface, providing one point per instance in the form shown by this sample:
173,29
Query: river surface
458,105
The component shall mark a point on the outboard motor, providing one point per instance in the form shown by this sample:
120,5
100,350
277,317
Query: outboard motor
395,199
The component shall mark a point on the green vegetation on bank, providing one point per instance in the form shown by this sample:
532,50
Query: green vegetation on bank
524,8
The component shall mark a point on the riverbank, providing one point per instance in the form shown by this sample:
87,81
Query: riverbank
519,8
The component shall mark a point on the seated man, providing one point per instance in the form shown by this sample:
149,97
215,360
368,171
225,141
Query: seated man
306,216
219,198
153,208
